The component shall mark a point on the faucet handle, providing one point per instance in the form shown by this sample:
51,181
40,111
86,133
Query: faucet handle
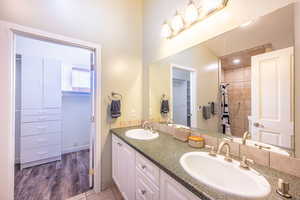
212,151
244,162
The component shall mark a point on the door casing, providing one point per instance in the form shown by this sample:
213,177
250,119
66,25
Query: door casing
8,31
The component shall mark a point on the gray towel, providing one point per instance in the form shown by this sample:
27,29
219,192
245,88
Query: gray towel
206,112
115,108
164,107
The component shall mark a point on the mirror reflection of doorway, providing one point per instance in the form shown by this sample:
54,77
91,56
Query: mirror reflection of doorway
182,80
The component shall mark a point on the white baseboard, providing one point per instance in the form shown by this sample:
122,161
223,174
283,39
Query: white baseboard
75,149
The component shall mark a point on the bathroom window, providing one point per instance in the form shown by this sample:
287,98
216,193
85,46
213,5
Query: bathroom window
76,79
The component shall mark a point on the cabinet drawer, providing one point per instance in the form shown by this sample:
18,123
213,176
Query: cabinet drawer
147,168
41,111
40,153
37,128
145,190
35,141
38,118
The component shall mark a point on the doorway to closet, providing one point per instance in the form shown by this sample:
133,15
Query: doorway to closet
54,119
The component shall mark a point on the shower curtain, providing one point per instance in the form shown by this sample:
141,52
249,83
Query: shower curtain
225,123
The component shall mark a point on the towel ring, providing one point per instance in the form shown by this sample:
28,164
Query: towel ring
114,95
164,97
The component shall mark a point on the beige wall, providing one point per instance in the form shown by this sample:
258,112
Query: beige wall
205,64
116,26
237,12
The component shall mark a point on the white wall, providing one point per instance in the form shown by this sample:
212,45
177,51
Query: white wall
76,112
205,64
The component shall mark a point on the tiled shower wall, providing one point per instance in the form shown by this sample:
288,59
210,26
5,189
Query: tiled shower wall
239,94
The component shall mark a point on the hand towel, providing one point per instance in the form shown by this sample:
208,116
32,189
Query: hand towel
115,108
164,108
206,112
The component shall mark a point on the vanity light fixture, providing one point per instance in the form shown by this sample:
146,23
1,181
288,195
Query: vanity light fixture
191,15
177,23
166,30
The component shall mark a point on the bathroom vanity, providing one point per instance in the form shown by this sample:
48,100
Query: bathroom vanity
151,170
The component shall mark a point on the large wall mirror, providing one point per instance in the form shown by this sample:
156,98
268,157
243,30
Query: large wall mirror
240,81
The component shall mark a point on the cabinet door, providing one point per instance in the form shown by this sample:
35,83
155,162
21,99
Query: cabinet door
127,172
116,161
144,189
172,190
52,84
32,82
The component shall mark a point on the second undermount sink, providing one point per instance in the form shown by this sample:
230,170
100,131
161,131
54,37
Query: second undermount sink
225,176
141,134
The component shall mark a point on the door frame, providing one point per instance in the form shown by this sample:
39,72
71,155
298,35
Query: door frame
193,81
8,31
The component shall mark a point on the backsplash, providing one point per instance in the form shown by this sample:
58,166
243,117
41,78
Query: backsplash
273,160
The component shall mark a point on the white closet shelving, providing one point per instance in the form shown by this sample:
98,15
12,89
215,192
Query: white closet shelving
41,99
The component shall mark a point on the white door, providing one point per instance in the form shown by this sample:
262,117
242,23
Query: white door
272,97
32,82
52,84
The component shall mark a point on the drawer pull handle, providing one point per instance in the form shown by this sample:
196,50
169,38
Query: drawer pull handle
144,166
42,153
143,192
42,127
41,140
120,144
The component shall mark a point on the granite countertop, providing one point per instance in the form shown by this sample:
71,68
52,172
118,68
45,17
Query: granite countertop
165,152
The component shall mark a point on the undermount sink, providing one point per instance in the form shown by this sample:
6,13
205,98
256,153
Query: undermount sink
141,134
227,177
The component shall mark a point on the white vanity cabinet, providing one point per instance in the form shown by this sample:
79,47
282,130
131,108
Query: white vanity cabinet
139,179
172,190
123,168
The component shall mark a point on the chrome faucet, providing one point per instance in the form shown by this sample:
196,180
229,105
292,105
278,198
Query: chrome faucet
147,125
244,163
245,137
227,146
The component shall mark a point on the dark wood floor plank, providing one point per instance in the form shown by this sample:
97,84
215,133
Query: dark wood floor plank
54,181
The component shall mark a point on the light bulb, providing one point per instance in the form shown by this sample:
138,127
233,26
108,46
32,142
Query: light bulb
177,23
236,61
166,31
191,14
211,5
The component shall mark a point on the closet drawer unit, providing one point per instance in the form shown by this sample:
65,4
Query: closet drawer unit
31,155
38,118
147,168
41,111
37,128
30,142
145,190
